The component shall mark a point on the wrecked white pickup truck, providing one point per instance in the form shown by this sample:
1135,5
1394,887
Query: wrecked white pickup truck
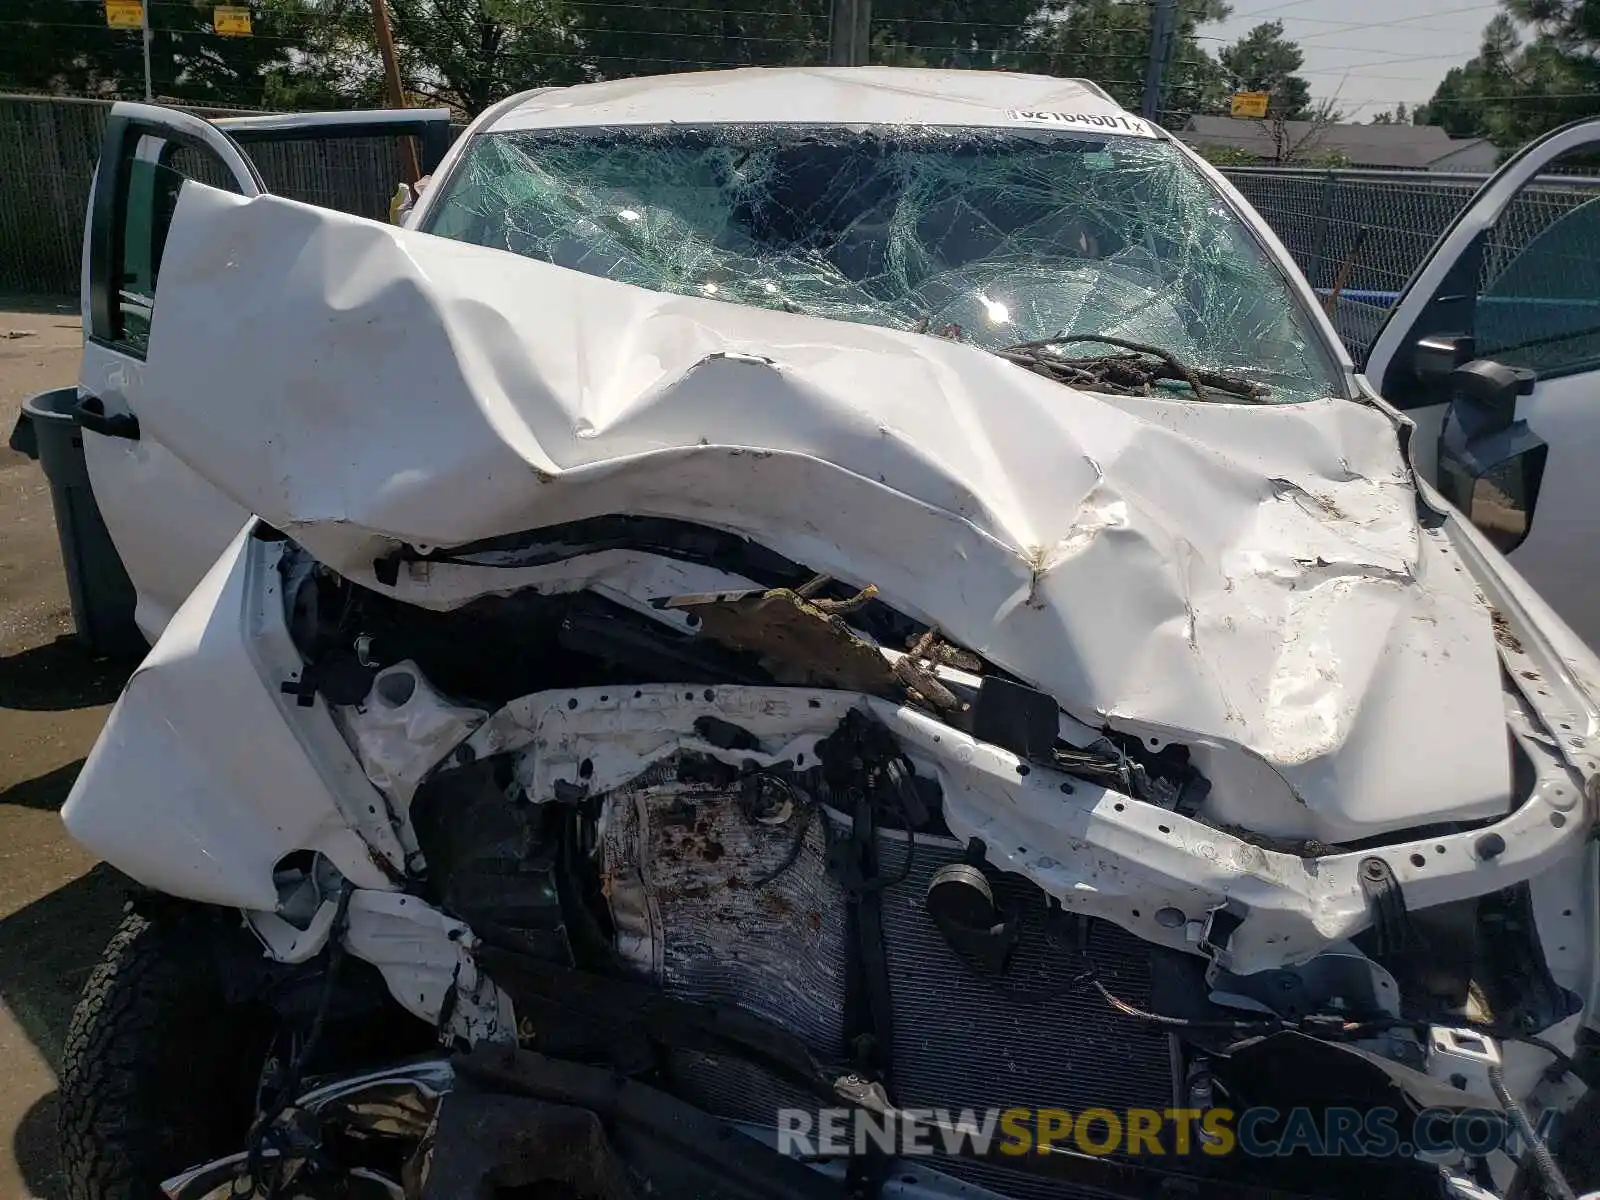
791,591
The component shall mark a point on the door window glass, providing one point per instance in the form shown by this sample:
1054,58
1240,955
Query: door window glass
1538,302
152,198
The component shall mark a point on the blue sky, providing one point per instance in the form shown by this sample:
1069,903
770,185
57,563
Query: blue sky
1369,54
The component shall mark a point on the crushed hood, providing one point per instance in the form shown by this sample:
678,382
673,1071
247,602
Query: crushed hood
1250,581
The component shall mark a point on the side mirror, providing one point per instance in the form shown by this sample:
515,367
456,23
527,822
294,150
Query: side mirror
1491,464
1433,358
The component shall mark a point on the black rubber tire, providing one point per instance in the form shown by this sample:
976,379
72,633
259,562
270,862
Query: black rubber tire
159,1073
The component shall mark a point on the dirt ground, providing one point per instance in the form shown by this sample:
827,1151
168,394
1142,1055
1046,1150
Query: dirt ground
57,906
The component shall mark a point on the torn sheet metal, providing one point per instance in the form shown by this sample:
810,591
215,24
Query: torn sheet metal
426,960
1249,579
234,774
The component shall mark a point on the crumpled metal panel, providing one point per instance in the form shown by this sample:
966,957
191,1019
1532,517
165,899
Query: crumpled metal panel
1249,580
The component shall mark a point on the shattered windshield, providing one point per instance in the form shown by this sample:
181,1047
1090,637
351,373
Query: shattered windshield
995,237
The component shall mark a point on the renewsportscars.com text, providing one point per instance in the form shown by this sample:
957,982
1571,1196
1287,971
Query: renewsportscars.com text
1259,1132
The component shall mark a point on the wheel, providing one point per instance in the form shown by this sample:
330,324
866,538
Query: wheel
159,1072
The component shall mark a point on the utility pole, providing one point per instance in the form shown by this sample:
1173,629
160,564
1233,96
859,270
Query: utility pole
391,79
1163,25
850,33
145,36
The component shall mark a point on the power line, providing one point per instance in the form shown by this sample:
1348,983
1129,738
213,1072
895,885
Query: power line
1341,26
1353,49
1256,12
1346,68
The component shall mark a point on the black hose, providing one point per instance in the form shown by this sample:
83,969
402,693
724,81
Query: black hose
1555,1183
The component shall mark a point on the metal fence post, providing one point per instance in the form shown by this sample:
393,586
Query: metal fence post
1161,42
850,35
1320,239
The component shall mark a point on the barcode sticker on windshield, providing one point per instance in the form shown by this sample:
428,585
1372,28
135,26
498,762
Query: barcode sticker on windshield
1103,122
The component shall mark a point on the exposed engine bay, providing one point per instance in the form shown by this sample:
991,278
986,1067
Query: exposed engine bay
778,848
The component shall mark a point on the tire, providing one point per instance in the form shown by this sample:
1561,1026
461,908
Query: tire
159,1073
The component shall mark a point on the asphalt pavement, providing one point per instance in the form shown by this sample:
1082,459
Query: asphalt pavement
57,905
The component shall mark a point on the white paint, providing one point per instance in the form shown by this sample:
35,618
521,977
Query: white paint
168,523
826,96
206,775
424,955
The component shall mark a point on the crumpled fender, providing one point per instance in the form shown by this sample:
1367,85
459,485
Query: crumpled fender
206,774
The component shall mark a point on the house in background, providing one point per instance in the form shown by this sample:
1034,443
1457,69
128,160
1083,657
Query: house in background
1295,143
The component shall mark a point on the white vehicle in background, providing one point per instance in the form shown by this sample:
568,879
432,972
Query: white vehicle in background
783,590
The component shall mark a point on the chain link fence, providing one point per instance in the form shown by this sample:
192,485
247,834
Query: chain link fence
1363,233
1360,233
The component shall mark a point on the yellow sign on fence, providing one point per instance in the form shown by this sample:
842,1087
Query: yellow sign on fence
230,21
1249,104
124,14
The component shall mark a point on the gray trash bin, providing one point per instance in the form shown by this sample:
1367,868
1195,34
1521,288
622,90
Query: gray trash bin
102,595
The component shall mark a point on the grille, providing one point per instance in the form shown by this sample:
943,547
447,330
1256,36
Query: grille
680,867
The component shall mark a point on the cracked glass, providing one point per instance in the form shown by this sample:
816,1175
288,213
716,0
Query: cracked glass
990,236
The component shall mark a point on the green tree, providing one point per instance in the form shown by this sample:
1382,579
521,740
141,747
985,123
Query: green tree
65,46
946,33
1398,115
468,54
1108,43
464,54
687,35
1537,67
1458,103
1263,60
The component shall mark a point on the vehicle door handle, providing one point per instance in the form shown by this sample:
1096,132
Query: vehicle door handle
90,413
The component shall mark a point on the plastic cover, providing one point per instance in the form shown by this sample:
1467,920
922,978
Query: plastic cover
990,236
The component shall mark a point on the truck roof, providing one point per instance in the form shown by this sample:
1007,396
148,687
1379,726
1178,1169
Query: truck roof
827,96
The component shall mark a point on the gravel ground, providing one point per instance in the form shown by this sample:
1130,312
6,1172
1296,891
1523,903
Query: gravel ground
57,906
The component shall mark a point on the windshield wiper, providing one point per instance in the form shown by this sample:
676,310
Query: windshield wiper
1132,374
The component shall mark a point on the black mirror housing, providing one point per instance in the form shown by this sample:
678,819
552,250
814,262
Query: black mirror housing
1491,465
1484,395
1434,357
